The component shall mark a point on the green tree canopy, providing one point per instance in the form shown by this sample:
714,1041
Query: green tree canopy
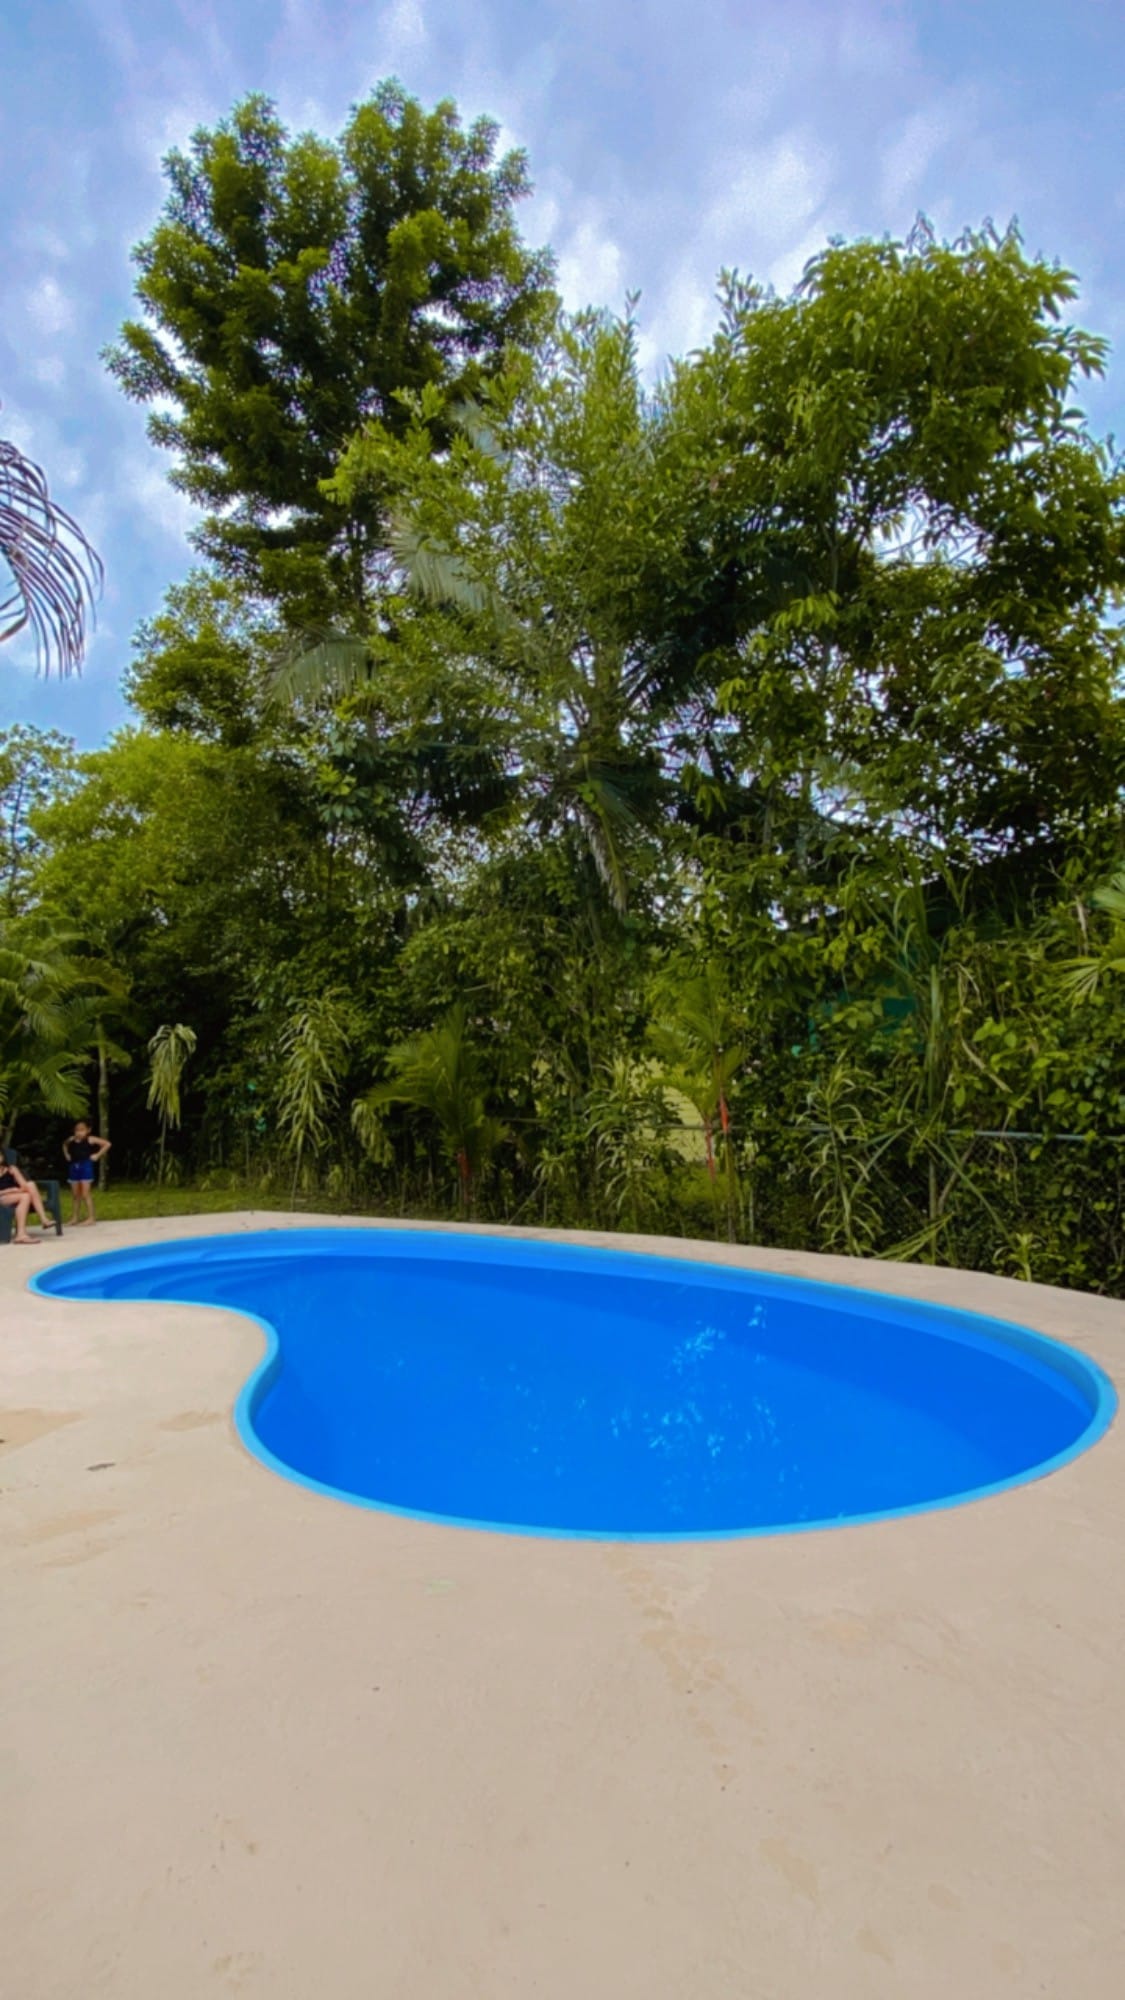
291,288
913,544
36,767
536,544
202,666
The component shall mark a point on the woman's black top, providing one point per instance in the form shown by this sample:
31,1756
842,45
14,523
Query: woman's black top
78,1150
7,1181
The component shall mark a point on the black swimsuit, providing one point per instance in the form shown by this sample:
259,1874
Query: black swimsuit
8,1182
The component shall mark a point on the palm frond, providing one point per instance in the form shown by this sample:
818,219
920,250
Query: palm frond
168,1050
314,1045
56,576
1110,898
440,574
480,430
1081,977
332,665
597,824
369,1128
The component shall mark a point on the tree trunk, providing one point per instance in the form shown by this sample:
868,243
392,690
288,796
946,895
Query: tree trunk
103,1108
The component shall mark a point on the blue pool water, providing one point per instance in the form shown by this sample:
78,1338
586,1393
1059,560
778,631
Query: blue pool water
547,1388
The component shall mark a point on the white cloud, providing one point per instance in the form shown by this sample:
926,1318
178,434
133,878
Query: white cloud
402,29
917,145
91,511
39,240
50,370
870,43
769,195
683,315
49,308
199,19
143,492
67,470
785,270
591,266
20,655
310,115
109,21
20,432
302,19
160,126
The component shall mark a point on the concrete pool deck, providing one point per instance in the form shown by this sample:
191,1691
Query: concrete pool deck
255,1741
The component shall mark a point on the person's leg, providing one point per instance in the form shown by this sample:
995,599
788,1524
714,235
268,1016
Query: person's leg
23,1203
87,1191
37,1202
75,1196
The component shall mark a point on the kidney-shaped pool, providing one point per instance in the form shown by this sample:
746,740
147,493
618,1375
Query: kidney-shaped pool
552,1389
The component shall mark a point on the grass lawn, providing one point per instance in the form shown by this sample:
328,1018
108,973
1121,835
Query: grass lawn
126,1201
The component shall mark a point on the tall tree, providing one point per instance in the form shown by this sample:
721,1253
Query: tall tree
916,544
37,766
533,548
292,288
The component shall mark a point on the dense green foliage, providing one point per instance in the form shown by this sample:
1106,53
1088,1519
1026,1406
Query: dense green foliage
694,807
292,288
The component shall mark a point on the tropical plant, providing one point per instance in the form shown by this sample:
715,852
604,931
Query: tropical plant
1082,976
699,1038
53,574
535,543
313,1046
439,1074
846,1140
169,1050
55,1002
627,1119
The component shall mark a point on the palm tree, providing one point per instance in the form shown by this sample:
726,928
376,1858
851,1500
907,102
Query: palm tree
1083,975
168,1051
53,1008
53,573
698,1039
521,552
437,1073
314,1044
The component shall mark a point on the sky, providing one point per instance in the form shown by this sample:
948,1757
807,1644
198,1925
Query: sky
666,140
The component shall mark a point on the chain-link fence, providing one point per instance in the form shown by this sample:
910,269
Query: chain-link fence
1045,1207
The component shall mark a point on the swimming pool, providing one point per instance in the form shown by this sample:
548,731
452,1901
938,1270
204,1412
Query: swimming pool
552,1389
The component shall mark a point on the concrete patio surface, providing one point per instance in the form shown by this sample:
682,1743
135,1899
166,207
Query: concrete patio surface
255,1741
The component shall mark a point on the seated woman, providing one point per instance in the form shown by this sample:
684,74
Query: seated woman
21,1195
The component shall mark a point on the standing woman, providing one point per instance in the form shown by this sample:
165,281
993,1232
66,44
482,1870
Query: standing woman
82,1152
20,1195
